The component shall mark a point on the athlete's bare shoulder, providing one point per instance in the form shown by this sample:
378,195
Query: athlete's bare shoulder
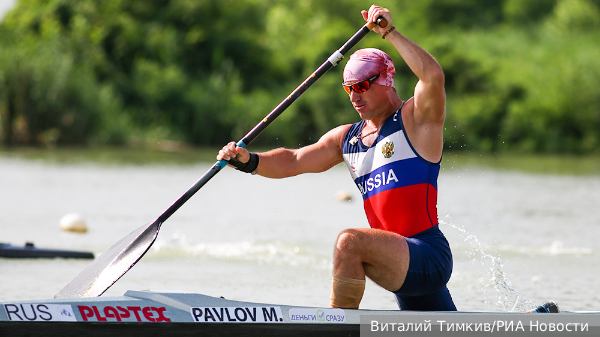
335,136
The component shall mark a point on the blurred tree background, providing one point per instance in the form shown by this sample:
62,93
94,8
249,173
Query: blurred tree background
520,75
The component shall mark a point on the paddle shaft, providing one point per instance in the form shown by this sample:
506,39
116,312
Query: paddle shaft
111,265
331,62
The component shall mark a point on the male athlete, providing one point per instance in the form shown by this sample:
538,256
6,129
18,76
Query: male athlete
394,156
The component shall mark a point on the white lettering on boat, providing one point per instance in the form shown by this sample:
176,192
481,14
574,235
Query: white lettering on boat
40,312
237,314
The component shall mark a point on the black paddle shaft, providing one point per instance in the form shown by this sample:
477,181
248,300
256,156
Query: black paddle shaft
111,265
332,61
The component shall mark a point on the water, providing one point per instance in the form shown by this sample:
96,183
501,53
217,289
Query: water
518,239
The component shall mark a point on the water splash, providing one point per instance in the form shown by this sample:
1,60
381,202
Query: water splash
273,253
507,297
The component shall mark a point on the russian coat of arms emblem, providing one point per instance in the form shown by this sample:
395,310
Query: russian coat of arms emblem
388,149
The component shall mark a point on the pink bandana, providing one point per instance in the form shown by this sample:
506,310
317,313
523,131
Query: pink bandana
365,63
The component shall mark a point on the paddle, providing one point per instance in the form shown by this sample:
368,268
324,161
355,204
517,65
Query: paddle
103,272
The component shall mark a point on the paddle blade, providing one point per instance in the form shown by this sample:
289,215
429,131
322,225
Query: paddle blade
105,270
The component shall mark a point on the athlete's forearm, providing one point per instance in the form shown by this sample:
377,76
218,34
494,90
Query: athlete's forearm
422,64
282,163
277,163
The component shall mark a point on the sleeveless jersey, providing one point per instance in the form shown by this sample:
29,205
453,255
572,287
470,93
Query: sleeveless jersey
399,188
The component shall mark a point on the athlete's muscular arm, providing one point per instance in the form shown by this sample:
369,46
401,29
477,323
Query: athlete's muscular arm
424,115
430,97
282,163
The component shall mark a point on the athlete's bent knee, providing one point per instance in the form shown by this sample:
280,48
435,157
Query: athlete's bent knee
348,240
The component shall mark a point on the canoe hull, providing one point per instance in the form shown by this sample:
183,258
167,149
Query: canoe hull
30,251
146,313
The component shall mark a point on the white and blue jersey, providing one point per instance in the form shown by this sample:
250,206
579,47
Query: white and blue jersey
399,188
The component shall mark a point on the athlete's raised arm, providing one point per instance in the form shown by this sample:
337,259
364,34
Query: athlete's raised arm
424,115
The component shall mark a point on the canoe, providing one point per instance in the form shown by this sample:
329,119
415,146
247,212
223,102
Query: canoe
29,250
148,313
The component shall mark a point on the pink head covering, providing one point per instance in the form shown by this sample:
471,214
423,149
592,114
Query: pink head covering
365,63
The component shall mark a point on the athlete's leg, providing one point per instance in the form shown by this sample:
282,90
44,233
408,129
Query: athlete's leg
438,301
380,255
430,268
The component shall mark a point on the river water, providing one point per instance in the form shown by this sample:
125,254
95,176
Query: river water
519,239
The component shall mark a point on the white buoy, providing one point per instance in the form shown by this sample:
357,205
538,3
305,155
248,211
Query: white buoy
343,195
72,222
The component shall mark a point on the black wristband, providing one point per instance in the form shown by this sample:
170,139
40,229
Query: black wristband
249,166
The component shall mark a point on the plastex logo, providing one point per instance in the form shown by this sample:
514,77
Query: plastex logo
388,149
127,314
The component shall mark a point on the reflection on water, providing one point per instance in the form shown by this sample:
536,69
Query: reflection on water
518,239
527,163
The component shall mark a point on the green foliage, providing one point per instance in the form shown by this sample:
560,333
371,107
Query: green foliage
47,99
520,75
519,12
532,89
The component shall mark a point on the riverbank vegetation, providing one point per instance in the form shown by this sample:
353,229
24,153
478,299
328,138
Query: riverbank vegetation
158,154
521,76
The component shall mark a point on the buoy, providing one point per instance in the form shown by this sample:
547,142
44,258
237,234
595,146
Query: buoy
72,222
343,195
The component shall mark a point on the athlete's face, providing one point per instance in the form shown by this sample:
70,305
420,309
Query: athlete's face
371,103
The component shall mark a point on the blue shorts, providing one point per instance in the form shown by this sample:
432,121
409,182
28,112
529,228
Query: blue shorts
428,272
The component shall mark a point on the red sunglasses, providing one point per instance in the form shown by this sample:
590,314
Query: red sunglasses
362,86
